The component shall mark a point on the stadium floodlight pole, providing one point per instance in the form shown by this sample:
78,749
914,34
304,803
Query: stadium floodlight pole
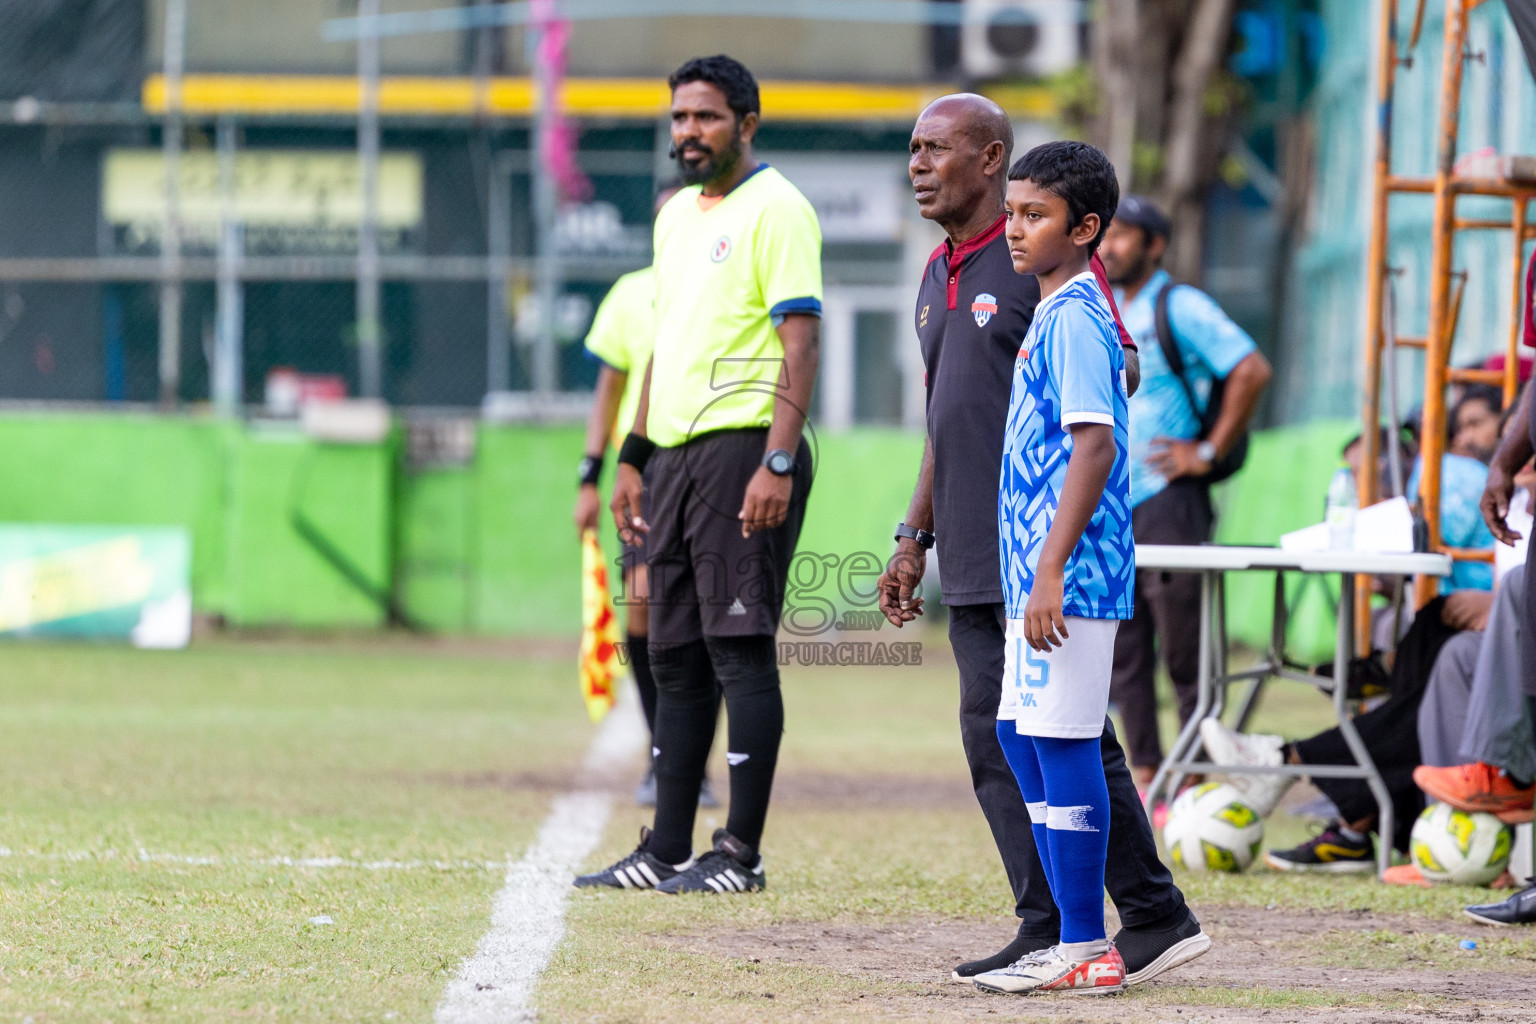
498,228
170,225
370,370
228,369
498,273
546,199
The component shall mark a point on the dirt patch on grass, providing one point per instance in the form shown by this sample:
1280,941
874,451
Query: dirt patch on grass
818,790
1273,966
508,782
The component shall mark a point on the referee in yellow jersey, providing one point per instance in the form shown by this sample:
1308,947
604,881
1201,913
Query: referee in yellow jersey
719,423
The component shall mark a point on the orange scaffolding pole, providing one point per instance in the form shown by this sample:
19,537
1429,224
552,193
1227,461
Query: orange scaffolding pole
1445,186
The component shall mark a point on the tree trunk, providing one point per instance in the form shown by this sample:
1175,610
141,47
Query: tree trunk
1116,53
1157,62
1185,177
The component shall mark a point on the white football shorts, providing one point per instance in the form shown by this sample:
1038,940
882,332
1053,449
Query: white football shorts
1063,693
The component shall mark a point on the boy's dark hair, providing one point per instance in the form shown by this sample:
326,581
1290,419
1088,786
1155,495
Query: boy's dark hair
1077,172
728,75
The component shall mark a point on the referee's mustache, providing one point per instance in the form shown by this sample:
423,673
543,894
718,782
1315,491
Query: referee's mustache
691,147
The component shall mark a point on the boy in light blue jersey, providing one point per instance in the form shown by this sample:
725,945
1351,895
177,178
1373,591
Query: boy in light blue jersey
1067,554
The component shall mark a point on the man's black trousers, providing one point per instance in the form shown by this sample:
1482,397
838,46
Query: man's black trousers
1137,881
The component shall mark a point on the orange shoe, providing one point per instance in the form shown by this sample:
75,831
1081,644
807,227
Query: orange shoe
1477,787
1405,874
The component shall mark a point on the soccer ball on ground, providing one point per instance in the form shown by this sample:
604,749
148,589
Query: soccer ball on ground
1466,848
1210,828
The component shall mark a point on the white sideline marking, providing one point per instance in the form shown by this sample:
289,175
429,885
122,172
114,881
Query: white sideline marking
528,917
109,856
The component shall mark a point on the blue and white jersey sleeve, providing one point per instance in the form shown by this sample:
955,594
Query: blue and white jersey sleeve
1084,371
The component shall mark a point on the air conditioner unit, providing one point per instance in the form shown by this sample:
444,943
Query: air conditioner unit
1029,38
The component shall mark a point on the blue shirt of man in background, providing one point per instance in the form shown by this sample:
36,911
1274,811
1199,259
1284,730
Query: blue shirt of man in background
1211,346
1170,461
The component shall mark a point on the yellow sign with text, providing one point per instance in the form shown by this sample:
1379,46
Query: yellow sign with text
73,582
271,187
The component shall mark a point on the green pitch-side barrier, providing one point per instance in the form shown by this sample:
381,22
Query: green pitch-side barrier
488,547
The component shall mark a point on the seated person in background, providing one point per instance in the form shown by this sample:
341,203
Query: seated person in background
1390,734
1517,449
1475,731
1390,731
1475,423
1461,485
1475,426
1353,452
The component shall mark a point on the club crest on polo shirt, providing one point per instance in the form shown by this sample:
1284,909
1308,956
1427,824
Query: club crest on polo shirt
721,249
983,308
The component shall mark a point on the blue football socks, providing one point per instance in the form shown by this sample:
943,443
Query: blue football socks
1062,781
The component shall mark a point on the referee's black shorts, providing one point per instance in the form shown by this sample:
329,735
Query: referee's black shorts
706,578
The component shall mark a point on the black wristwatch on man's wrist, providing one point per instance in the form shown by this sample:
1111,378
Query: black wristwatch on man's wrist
923,537
779,462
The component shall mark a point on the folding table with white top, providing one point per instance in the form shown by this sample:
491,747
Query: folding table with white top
1213,562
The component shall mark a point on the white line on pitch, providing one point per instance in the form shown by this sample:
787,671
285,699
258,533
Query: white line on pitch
111,856
528,917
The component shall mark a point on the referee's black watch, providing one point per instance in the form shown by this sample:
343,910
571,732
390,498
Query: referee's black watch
923,537
779,462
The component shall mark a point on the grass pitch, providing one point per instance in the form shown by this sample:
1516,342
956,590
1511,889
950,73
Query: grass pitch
172,823
152,804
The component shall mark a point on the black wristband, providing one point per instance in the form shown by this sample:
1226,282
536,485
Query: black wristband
636,451
591,470
923,538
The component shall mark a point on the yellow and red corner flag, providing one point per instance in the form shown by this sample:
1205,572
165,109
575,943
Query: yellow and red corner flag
599,659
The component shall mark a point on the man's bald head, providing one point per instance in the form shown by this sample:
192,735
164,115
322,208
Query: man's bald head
982,120
959,163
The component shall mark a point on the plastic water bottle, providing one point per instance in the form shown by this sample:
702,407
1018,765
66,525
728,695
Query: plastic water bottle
1343,503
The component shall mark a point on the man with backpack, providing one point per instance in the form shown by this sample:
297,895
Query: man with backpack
1201,379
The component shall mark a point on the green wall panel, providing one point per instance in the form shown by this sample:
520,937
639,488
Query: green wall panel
527,561
125,469
345,491
436,544
489,548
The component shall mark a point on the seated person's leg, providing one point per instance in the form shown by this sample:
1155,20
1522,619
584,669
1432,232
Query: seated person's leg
1498,730
1443,714
1343,845
1389,732
1494,760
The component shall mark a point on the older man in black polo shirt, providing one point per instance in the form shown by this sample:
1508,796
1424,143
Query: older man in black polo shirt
972,314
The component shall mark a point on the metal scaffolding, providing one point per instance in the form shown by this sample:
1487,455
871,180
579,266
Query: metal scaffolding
1514,179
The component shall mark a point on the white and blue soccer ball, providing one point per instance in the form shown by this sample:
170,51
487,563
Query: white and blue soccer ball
1211,828
1461,847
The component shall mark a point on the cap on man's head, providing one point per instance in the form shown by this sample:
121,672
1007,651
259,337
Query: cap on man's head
1143,213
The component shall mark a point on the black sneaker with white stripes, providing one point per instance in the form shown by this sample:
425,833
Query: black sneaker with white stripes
732,866
639,870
